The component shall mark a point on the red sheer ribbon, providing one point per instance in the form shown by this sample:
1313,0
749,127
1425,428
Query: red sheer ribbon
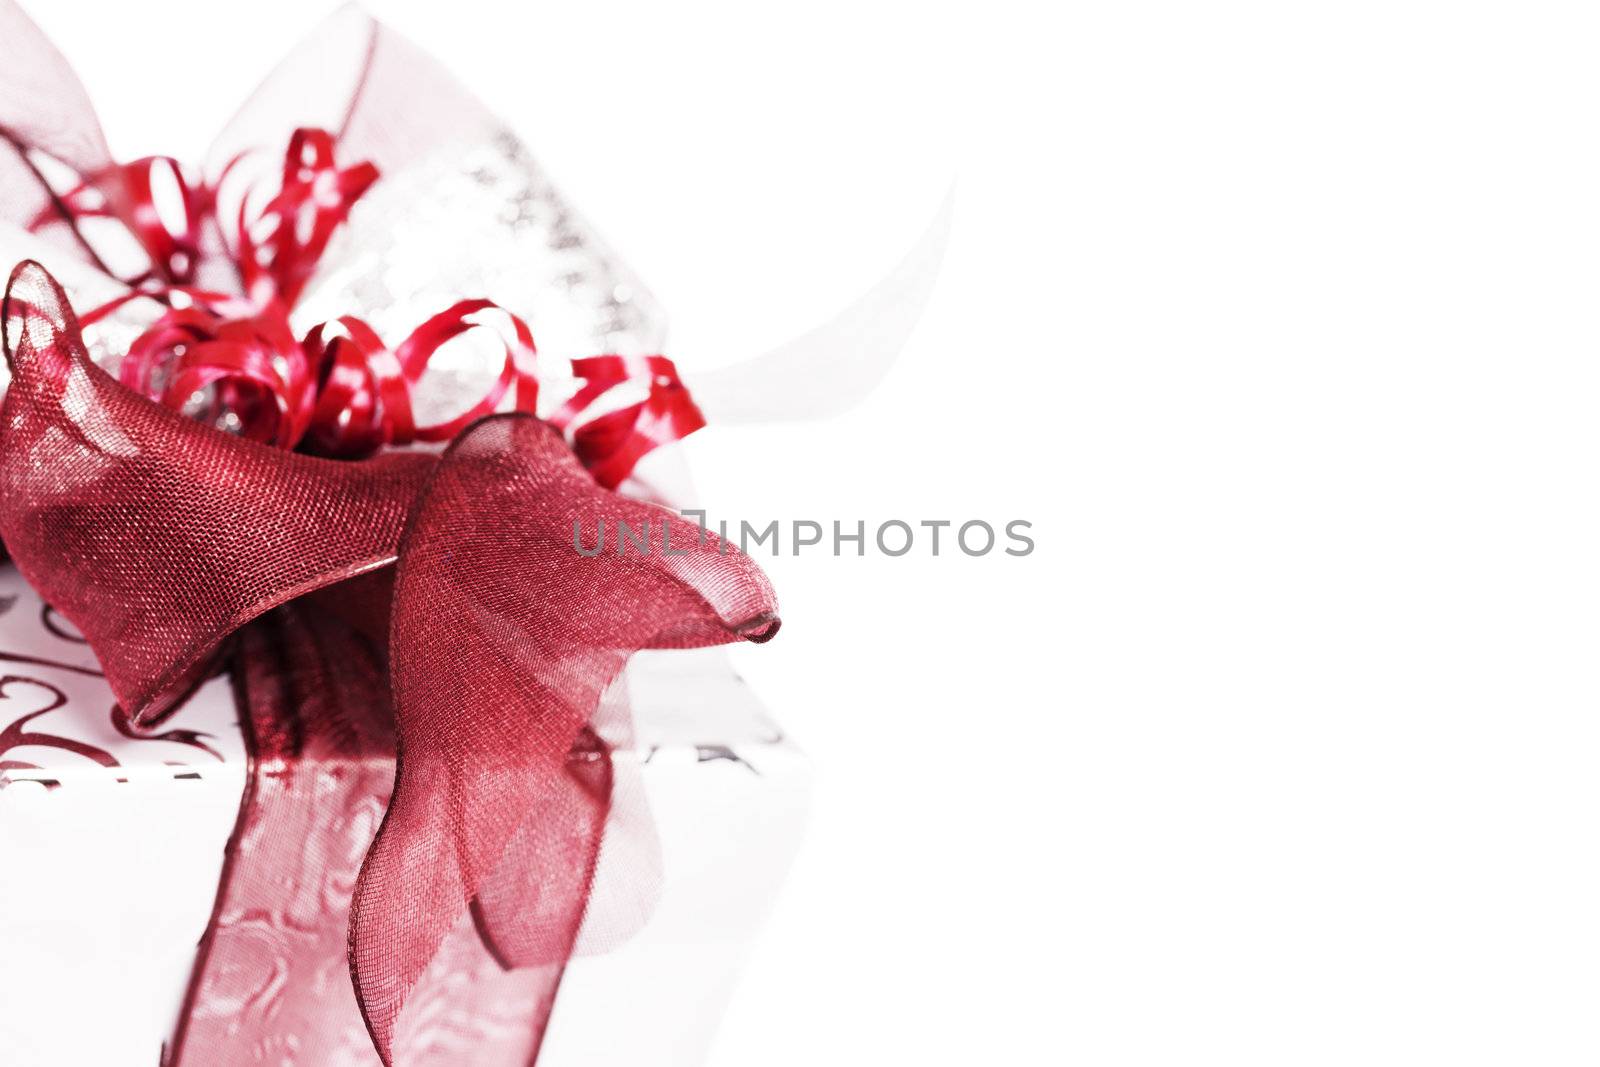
158,537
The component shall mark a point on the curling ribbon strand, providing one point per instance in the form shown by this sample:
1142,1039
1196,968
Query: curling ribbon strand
340,391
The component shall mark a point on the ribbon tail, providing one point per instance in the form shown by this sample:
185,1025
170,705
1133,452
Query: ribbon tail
503,641
271,979
267,977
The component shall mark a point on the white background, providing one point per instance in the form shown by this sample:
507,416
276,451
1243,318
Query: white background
1279,322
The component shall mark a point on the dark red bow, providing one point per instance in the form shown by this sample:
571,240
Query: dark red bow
158,537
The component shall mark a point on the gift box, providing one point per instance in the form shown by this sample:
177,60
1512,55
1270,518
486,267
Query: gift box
116,842
320,741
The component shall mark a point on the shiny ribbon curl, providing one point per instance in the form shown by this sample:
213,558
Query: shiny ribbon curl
610,445
126,193
340,391
279,248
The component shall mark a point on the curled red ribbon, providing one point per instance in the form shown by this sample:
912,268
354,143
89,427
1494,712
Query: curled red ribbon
340,391
126,192
611,444
279,248
366,390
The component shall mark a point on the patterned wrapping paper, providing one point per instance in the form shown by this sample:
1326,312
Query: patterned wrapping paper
61,726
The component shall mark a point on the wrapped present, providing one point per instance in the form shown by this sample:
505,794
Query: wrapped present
321,740
117,840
